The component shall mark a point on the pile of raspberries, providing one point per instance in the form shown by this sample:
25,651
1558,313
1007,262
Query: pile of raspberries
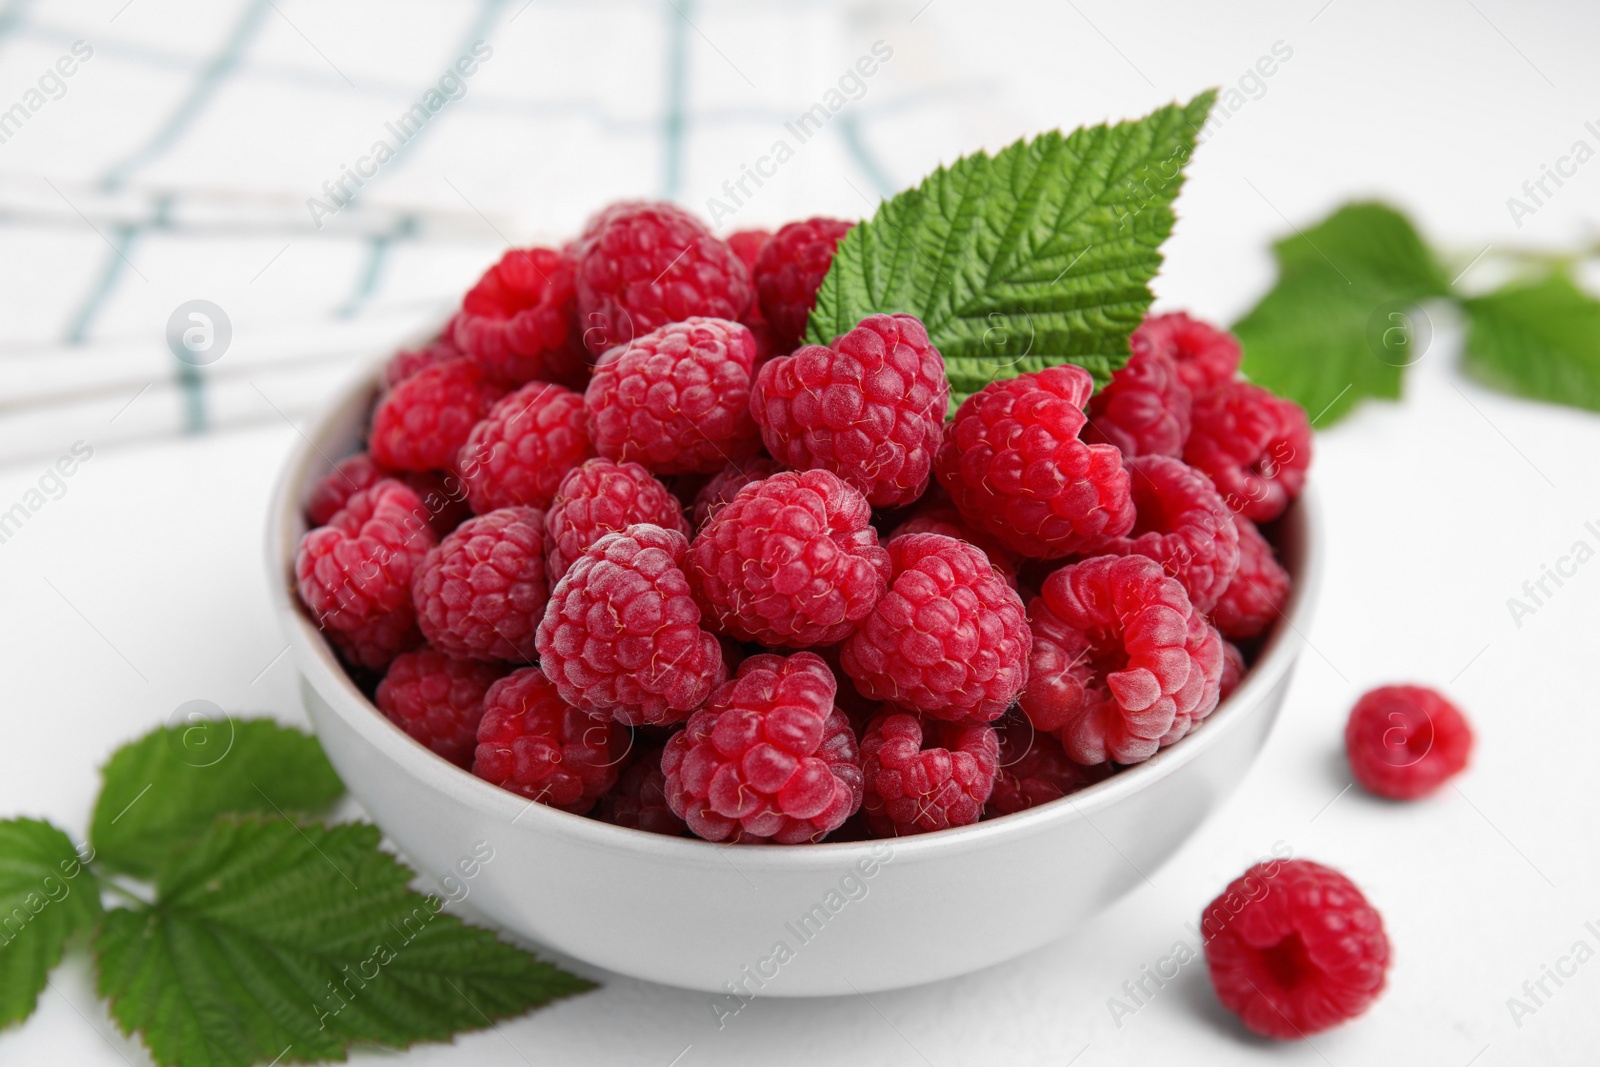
622,544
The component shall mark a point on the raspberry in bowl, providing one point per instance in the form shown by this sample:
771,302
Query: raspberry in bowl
596,886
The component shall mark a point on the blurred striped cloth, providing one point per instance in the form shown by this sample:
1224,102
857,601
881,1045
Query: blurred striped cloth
154,155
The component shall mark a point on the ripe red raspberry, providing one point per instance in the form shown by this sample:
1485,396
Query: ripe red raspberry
747,245
1034,770
519,323
598,497
443,496
421,424
1122,663
726,483
1255,598
1405,741
948,639
1254,445
622,635
1016,470
643,265
354,574
1233,668
676,400
1144,410
1206,356
438,700
869,408
768,759
481,593
911,789
1294,948
791,560
1183,525
939,516
407,362
639,799
789,272
523,448
533,743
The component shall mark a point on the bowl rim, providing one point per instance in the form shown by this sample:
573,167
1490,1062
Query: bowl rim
320,668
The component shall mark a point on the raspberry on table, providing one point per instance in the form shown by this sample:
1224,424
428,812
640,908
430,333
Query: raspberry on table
949,638
1034,769
422,422
768,759
789,271
536,745
1294,948
790,560
1206,357
1405,741
1233,668
1144,409
643,265
354,574
1254,599
438,700
911,789
726,483
622,635
523,448
1122,663
408,361
676,400
639,799
1183,525
939,516
1255,446
519,323
482,591
1017,471
601,496
869,407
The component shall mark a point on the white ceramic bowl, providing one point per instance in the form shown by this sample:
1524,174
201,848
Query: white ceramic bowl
779,921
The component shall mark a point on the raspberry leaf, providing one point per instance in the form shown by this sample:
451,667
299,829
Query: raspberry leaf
1342,321
1538,339
46,896
273,942
166,788
1039,255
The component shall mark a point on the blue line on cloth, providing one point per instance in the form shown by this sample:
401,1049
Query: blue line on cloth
199,95
378,248
127,235
856,147
673,118
11,16
488,14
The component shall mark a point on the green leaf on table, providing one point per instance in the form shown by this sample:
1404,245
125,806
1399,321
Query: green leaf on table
268,940
46,896
1539,340
166,788
1036,256
1342,322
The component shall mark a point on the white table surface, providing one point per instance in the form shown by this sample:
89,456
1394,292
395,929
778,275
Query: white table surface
143,587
